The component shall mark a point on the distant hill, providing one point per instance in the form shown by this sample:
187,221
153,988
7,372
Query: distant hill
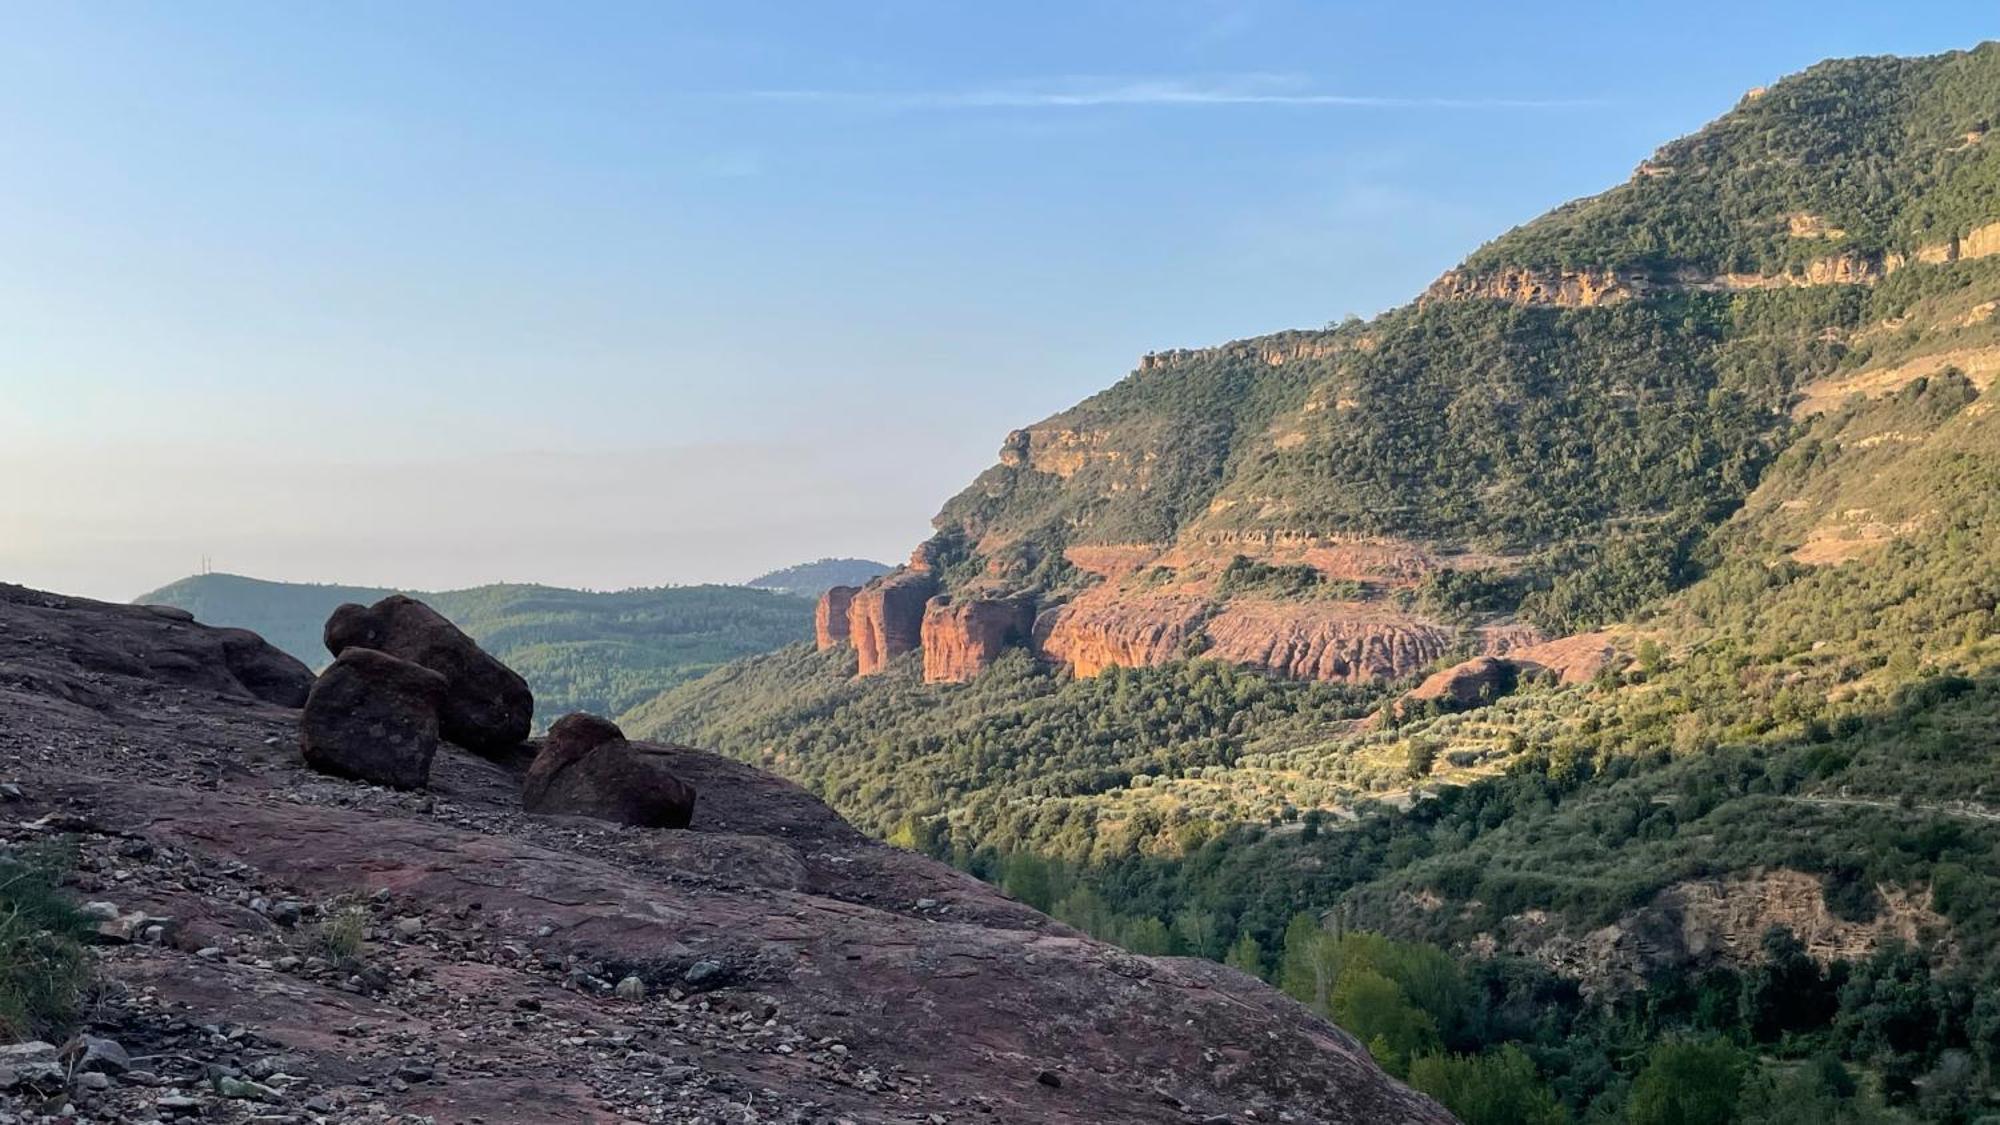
581,651
815,578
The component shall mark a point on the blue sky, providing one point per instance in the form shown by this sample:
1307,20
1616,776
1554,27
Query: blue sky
610,295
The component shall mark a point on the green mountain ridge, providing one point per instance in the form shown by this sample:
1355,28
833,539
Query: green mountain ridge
580,650
1760,855
814,578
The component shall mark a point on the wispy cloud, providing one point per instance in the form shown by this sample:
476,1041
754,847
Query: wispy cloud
1262,91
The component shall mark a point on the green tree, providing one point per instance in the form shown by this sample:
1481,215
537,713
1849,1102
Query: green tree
1149,936
1309,963
1246,955
1374,1010
1027,877
1419,758
1496,1088
1687,1082
1199,931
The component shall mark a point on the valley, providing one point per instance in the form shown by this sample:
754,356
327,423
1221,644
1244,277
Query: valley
1568,696
582,650
1682,520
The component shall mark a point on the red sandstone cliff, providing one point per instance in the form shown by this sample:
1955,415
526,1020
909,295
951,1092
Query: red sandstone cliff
830,616
962,637
886,617
1103,630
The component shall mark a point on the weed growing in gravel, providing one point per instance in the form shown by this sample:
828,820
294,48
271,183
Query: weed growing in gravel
44,969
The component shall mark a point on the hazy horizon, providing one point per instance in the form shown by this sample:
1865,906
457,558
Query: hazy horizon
433,298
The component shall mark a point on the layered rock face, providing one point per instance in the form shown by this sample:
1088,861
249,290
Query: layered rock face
1096,632
488,708
886,618
961,637
1335,641
587,768
373,717
830,622
1589,288
1573,289
1314,643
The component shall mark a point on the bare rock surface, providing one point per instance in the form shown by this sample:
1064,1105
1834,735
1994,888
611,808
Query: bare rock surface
286,946
73,648
487,706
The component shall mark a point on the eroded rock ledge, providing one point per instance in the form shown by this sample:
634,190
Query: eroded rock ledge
1594,287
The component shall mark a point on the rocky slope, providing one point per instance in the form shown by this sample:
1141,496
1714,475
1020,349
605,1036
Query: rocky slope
770,964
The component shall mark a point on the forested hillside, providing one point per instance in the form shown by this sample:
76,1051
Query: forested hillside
580,650
813,578
1729,422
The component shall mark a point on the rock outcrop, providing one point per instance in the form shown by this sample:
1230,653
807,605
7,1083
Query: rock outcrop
1352,642
886,618
1472,683
1102,630
1355,644
1274,350
1571,289
586,767
786,959
373,717
962,636
69,646
830,622
488,707
1571,660
1482,679
1592,287
1700,922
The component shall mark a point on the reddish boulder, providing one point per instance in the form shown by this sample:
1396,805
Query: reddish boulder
488,707
588,768
830,616
373,717
886,618
961,638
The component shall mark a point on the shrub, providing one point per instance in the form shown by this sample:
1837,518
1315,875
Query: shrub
43,967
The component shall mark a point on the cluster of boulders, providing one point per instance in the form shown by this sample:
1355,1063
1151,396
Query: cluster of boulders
405,681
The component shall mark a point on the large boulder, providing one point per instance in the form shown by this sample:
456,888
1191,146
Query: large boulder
487,708
588,768
265,671
373,717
